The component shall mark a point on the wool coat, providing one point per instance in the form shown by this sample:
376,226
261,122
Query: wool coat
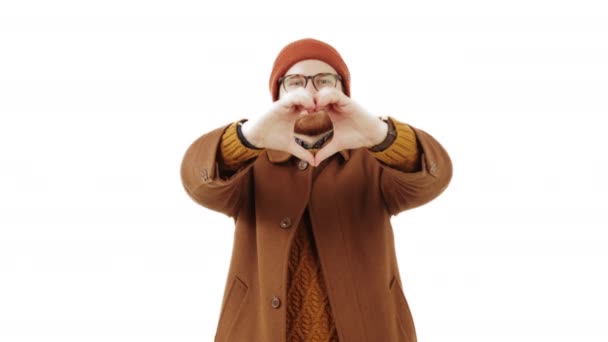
350,202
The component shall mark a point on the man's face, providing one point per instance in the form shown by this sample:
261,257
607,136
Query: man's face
319,122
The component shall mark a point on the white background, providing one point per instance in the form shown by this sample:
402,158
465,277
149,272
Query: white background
99,101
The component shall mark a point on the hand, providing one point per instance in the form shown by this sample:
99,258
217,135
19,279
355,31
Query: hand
275,129
354,127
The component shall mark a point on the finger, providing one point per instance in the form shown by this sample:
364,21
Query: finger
299,100
326,152
327,96
301,153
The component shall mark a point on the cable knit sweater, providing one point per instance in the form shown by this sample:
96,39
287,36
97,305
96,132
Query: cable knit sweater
309,314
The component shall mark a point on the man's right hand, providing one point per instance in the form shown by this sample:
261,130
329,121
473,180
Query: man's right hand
275,129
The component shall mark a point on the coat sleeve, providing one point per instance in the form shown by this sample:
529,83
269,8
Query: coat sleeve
407,190
202,180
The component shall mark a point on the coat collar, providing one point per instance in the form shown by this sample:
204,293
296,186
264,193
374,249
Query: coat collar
276,156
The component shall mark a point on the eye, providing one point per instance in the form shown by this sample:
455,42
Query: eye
295,83
325,80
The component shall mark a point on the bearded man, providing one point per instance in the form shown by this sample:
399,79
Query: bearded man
312,184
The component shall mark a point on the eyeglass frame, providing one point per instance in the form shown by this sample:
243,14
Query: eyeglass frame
338,78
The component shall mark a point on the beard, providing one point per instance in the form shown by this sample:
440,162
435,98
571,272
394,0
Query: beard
313,124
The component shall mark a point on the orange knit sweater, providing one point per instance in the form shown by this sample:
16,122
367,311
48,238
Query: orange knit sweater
309,314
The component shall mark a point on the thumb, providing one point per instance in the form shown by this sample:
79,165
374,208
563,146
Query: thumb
326,152
301,152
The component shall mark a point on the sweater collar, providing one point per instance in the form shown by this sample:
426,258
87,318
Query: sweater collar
318,144
276,156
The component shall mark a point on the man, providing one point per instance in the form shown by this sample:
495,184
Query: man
311,185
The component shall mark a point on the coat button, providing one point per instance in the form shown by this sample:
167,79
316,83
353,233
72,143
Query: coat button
276,302
302,165
286,222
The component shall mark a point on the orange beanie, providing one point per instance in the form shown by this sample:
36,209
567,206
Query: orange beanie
307,49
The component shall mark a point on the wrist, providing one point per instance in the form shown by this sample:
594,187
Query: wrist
389,136
247,138
380,134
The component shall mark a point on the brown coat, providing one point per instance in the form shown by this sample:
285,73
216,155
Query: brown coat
350,202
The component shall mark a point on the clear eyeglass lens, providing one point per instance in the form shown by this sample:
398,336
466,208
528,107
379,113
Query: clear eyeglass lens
324,80
294,82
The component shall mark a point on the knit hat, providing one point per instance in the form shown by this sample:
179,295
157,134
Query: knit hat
302,49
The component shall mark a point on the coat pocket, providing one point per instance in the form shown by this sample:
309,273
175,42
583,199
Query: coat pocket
404,316
231,309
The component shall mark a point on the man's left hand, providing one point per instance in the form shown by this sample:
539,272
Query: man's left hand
353,126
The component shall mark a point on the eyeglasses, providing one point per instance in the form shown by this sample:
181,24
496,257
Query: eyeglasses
319,81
